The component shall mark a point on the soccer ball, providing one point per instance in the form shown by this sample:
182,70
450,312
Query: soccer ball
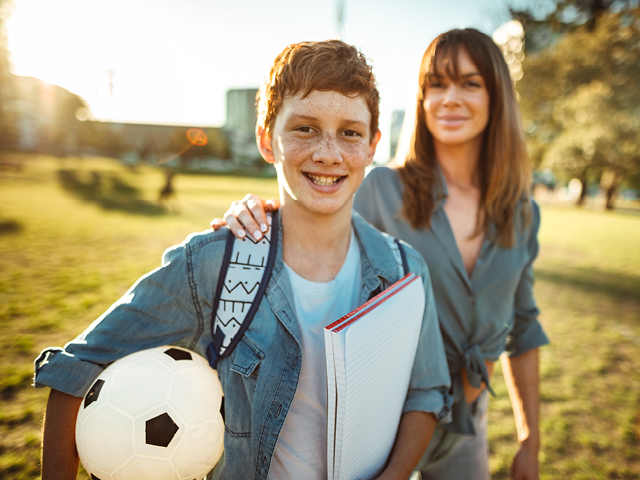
154,415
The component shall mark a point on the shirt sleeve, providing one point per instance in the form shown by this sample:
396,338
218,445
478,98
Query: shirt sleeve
161,308
527,332
430,379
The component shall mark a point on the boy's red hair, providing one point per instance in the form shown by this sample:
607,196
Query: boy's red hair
331,65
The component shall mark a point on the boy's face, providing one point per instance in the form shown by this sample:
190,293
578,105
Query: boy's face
320,146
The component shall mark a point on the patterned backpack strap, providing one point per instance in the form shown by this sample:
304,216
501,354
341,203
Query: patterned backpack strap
244,275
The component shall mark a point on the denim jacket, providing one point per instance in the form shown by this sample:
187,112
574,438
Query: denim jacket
173,305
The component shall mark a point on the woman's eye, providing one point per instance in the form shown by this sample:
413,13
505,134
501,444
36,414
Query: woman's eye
472,84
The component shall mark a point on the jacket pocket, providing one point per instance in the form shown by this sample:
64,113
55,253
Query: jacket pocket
244,371
246,358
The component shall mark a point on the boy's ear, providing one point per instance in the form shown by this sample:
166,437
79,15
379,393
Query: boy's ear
263,139
372,146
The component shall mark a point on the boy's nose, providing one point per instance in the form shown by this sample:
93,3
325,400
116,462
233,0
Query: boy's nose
328,150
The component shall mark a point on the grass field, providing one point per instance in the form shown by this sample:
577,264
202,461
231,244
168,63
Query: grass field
74,235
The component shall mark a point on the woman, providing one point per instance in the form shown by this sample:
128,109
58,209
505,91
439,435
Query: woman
460,196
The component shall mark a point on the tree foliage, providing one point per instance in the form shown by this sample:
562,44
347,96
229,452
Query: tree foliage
580,102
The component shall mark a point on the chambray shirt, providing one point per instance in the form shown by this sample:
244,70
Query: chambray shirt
172,305
481,315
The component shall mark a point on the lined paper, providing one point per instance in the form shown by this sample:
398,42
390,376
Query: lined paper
370,354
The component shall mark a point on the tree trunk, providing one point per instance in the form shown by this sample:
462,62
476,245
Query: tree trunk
583,190
611,190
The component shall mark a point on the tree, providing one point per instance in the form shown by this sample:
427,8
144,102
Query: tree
579,101
7,92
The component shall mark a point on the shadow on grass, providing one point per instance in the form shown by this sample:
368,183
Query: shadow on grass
9,227
619,286
109,191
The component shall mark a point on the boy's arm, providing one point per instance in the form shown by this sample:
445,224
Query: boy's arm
414,434
59,454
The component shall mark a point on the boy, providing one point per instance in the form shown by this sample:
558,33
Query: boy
318,125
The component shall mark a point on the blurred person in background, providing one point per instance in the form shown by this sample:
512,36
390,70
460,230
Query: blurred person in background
460,194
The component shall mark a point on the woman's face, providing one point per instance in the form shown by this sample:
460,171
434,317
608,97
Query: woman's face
457,112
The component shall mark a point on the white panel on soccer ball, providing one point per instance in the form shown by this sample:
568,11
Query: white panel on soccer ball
201,447
140,468
106,439
144,385
190,388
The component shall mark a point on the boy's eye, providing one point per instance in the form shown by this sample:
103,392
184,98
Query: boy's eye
351,133
304,129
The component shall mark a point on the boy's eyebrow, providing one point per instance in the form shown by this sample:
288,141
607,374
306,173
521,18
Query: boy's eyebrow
297,117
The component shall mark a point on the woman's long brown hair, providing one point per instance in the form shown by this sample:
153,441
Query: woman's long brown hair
504,164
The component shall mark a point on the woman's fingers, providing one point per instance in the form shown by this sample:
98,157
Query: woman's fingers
272,205
240,220
247,215
234,225
217,223
257,211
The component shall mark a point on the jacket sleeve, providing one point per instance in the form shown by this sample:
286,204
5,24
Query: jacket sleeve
527,333
161,308
429,389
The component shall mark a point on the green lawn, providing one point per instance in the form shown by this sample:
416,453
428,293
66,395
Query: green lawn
75,234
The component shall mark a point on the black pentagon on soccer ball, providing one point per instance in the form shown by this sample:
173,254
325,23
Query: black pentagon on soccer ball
160,430
178,354
93,393
93,477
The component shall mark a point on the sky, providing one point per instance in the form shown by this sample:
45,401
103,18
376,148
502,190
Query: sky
172,61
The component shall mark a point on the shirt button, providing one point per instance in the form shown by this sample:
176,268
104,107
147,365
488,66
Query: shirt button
471,298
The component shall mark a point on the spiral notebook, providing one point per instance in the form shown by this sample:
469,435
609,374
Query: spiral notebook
370,353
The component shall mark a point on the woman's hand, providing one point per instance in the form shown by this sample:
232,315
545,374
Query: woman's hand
247,215
525,463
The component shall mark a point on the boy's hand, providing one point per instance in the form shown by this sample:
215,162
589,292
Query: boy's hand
247,215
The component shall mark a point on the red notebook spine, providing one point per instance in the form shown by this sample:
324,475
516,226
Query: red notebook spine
371,304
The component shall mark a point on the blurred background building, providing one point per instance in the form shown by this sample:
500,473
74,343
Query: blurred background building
575,64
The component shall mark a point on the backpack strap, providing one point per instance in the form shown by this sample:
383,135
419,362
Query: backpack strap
244,276
403,256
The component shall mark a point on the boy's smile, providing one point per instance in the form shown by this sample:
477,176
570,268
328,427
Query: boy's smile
320,146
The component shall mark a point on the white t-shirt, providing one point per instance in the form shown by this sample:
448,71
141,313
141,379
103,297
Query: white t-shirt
301,451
